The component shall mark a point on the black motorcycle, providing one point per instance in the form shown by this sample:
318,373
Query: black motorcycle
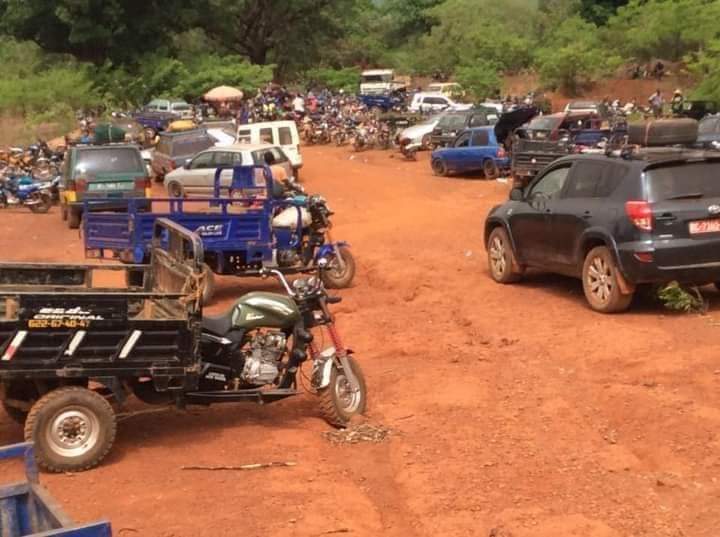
256,350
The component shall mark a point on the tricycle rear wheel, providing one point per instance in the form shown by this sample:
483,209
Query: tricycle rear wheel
73,429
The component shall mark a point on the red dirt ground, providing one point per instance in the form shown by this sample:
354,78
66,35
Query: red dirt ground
515,410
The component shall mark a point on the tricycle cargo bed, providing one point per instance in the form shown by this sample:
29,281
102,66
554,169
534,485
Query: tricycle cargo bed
75,321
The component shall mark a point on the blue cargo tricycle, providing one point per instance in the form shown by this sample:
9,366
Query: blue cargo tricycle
245,227
27,509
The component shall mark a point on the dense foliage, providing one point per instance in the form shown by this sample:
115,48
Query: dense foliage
124,52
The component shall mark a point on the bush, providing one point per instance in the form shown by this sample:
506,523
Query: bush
481,79
347,79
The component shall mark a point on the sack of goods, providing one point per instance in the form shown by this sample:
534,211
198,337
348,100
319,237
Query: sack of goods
106,133
659,132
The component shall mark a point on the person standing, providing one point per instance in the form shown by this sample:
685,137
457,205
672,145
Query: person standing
299,105
677,103
656,103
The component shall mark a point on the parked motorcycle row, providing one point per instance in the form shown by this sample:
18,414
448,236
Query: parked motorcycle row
30,176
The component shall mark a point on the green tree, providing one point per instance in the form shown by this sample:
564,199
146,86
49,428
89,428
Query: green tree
574,56
705,65
668,29
97,30
480,79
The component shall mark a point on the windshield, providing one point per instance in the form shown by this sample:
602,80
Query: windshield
684,180
370,79
452,121
582,105
545,123
108,161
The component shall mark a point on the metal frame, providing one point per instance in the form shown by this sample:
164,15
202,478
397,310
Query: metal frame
28,510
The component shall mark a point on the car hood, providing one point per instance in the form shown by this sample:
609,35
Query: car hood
418,131
510,121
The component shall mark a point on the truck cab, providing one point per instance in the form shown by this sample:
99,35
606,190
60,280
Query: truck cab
378,82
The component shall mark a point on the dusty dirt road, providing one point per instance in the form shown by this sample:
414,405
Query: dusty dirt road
515,411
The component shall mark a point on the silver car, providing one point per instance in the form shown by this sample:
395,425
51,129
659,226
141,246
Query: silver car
420,132
197,176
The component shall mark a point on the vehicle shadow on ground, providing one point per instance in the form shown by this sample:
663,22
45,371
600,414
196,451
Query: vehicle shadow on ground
645,301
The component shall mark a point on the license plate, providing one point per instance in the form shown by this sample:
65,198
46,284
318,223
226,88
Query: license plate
705,226
104,187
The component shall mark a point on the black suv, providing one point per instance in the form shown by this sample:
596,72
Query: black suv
616,222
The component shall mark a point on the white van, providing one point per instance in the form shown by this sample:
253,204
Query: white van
282,133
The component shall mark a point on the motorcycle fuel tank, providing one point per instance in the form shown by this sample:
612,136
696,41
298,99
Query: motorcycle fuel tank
271,310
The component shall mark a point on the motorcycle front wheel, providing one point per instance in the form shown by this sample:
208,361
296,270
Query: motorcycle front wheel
339,403
43,205
337,275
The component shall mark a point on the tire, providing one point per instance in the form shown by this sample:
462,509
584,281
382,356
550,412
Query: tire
490,169
439,168
73,429
426,142
208,290
336,405
335,278
296,174
600,282
175,190
501,258
73,218
44,206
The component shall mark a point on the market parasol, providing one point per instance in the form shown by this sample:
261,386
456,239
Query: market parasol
223,93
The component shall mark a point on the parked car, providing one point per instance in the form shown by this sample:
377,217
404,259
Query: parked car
434,102
198,175
583,107
379,81
449,89
479,148
281,133
454,122
178,107
699,109
420,133
473,150
105,175
709,132
174,149
617,223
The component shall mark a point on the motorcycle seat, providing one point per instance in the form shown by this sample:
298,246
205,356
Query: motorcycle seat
218,325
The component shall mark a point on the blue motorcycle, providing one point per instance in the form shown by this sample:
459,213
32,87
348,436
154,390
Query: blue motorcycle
24,191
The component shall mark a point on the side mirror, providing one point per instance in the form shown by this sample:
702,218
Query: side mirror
187,164
516,194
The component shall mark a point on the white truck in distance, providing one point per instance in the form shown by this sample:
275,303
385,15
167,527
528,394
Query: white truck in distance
378,82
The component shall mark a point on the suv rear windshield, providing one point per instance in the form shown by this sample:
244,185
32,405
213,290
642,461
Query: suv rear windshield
452,122
187,146
107,161
684,181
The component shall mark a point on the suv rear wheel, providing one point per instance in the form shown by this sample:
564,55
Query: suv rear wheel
501,259
600,282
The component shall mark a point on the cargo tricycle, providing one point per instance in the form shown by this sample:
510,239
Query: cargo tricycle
244,228
76,343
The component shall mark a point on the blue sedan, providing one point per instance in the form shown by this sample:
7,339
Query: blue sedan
475,149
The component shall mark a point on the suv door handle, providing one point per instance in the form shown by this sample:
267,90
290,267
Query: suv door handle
587,214
666,217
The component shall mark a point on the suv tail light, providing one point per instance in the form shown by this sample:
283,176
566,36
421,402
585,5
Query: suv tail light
501,152
640,214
